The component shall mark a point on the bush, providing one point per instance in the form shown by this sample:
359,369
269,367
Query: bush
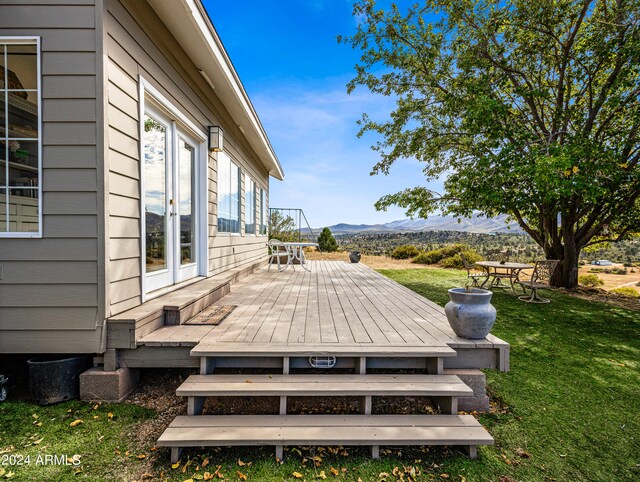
430,257
437,255
455,261
626,291
405,252
327,242
590,280
619,271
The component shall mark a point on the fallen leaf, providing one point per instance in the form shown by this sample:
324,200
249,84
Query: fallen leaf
96,406
9,474
207,476
110,415
297,475
117,452
523,453
96,417
38,424
321,475
241,463
197,477
75,423
444,476
205,462
334,471
176,465
77,470
2,471
146,476
142,456
188,480
241,476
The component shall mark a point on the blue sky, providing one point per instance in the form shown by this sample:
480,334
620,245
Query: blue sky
292,67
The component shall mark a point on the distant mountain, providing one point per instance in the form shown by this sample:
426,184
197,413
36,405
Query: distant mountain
474,224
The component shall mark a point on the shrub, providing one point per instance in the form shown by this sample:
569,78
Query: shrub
326,241
449,251
455,261
430,257
626,291
405,252
590,280
619,271
437,255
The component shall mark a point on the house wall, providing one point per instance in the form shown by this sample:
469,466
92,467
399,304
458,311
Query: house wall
138,43
50,287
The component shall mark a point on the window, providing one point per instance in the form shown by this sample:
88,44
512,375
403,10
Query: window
19,137
250,205
263,211
228,195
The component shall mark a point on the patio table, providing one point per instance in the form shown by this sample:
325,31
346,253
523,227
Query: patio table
497,270
297,252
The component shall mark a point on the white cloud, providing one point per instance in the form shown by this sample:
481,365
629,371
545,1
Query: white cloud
313,130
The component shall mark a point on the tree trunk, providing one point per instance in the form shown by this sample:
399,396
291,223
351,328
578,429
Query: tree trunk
566,273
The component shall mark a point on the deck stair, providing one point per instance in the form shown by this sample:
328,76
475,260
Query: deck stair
197,430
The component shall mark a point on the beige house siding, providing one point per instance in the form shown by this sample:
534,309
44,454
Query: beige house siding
138,44
50,287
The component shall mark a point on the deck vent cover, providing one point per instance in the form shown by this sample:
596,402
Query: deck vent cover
322,361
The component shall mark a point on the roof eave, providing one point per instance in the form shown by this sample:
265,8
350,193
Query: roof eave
193,29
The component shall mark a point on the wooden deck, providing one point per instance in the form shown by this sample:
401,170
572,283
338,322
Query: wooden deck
336,304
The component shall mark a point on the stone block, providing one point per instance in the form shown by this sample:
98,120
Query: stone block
477,381
108,386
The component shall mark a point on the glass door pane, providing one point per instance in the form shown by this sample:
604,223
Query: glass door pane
187,203
155,194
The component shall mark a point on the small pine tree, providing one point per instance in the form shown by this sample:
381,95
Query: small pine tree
326,241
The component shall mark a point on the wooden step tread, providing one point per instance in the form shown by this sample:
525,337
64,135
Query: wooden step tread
213,430
324,385
174,300
226,349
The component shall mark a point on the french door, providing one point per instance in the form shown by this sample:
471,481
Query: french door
170,207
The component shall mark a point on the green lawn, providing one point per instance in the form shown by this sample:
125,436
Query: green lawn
569,409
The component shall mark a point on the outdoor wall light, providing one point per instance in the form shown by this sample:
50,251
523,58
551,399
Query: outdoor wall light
216,135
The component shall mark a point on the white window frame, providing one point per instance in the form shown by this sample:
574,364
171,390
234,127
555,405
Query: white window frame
226,157
248,182
264,213
28,40
160,102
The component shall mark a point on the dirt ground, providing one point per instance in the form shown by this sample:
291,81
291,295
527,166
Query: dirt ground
374,262
612,281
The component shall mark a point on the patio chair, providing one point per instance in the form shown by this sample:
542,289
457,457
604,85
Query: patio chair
540,279
278,250
473,276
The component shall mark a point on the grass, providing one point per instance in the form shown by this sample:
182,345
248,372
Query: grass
567,410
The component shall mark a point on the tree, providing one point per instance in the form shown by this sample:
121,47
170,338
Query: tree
326,241
282,227
527,108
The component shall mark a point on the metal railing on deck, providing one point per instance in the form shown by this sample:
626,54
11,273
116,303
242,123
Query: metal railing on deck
290,224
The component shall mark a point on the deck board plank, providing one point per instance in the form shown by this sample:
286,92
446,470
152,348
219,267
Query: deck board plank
336,303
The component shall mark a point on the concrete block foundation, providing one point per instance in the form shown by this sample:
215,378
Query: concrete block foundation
108,386
477,381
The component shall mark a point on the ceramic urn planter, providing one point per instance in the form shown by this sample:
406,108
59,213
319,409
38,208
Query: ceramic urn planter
470,312
354,256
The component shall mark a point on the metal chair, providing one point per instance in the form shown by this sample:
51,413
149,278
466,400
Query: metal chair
540,279
277,249
474,276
